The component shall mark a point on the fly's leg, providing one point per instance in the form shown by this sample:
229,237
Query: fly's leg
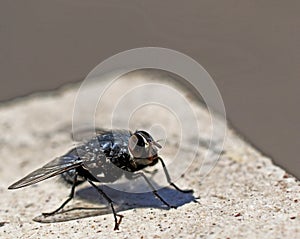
70,197
110,202
154,190
169,179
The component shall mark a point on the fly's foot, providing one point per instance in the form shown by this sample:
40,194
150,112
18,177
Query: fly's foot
187,191
47,214
118,222
181,190
169,206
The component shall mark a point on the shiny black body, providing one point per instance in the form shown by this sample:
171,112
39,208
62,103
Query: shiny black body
101,155
102,152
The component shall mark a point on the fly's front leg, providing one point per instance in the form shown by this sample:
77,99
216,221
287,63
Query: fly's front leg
65,202
170,181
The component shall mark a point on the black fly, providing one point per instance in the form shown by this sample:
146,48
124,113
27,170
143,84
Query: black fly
102,154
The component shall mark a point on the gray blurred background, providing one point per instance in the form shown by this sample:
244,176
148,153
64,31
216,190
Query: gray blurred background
250,48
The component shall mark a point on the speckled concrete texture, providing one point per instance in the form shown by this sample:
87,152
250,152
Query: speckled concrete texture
244,196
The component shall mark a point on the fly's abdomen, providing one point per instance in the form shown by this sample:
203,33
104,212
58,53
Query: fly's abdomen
69,176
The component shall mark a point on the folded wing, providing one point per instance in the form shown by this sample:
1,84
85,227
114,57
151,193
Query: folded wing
51,169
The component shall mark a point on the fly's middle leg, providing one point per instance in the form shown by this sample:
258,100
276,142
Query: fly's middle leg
154,191
100,191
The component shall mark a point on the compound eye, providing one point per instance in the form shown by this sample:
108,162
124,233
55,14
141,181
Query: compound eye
136,145
143,135
132,143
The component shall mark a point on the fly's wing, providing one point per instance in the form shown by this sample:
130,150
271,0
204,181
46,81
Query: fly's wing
53,168
83,135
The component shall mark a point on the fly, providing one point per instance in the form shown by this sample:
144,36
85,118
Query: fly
101,155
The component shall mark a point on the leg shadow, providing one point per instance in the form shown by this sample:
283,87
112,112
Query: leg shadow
122,201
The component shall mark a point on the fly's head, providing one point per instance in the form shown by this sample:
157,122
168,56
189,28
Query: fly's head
143,148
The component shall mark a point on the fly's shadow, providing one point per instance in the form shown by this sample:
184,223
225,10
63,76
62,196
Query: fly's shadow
122,201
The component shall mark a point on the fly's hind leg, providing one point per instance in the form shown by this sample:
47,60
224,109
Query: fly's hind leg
70,197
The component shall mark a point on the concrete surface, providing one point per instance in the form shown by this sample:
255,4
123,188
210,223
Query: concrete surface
244,196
